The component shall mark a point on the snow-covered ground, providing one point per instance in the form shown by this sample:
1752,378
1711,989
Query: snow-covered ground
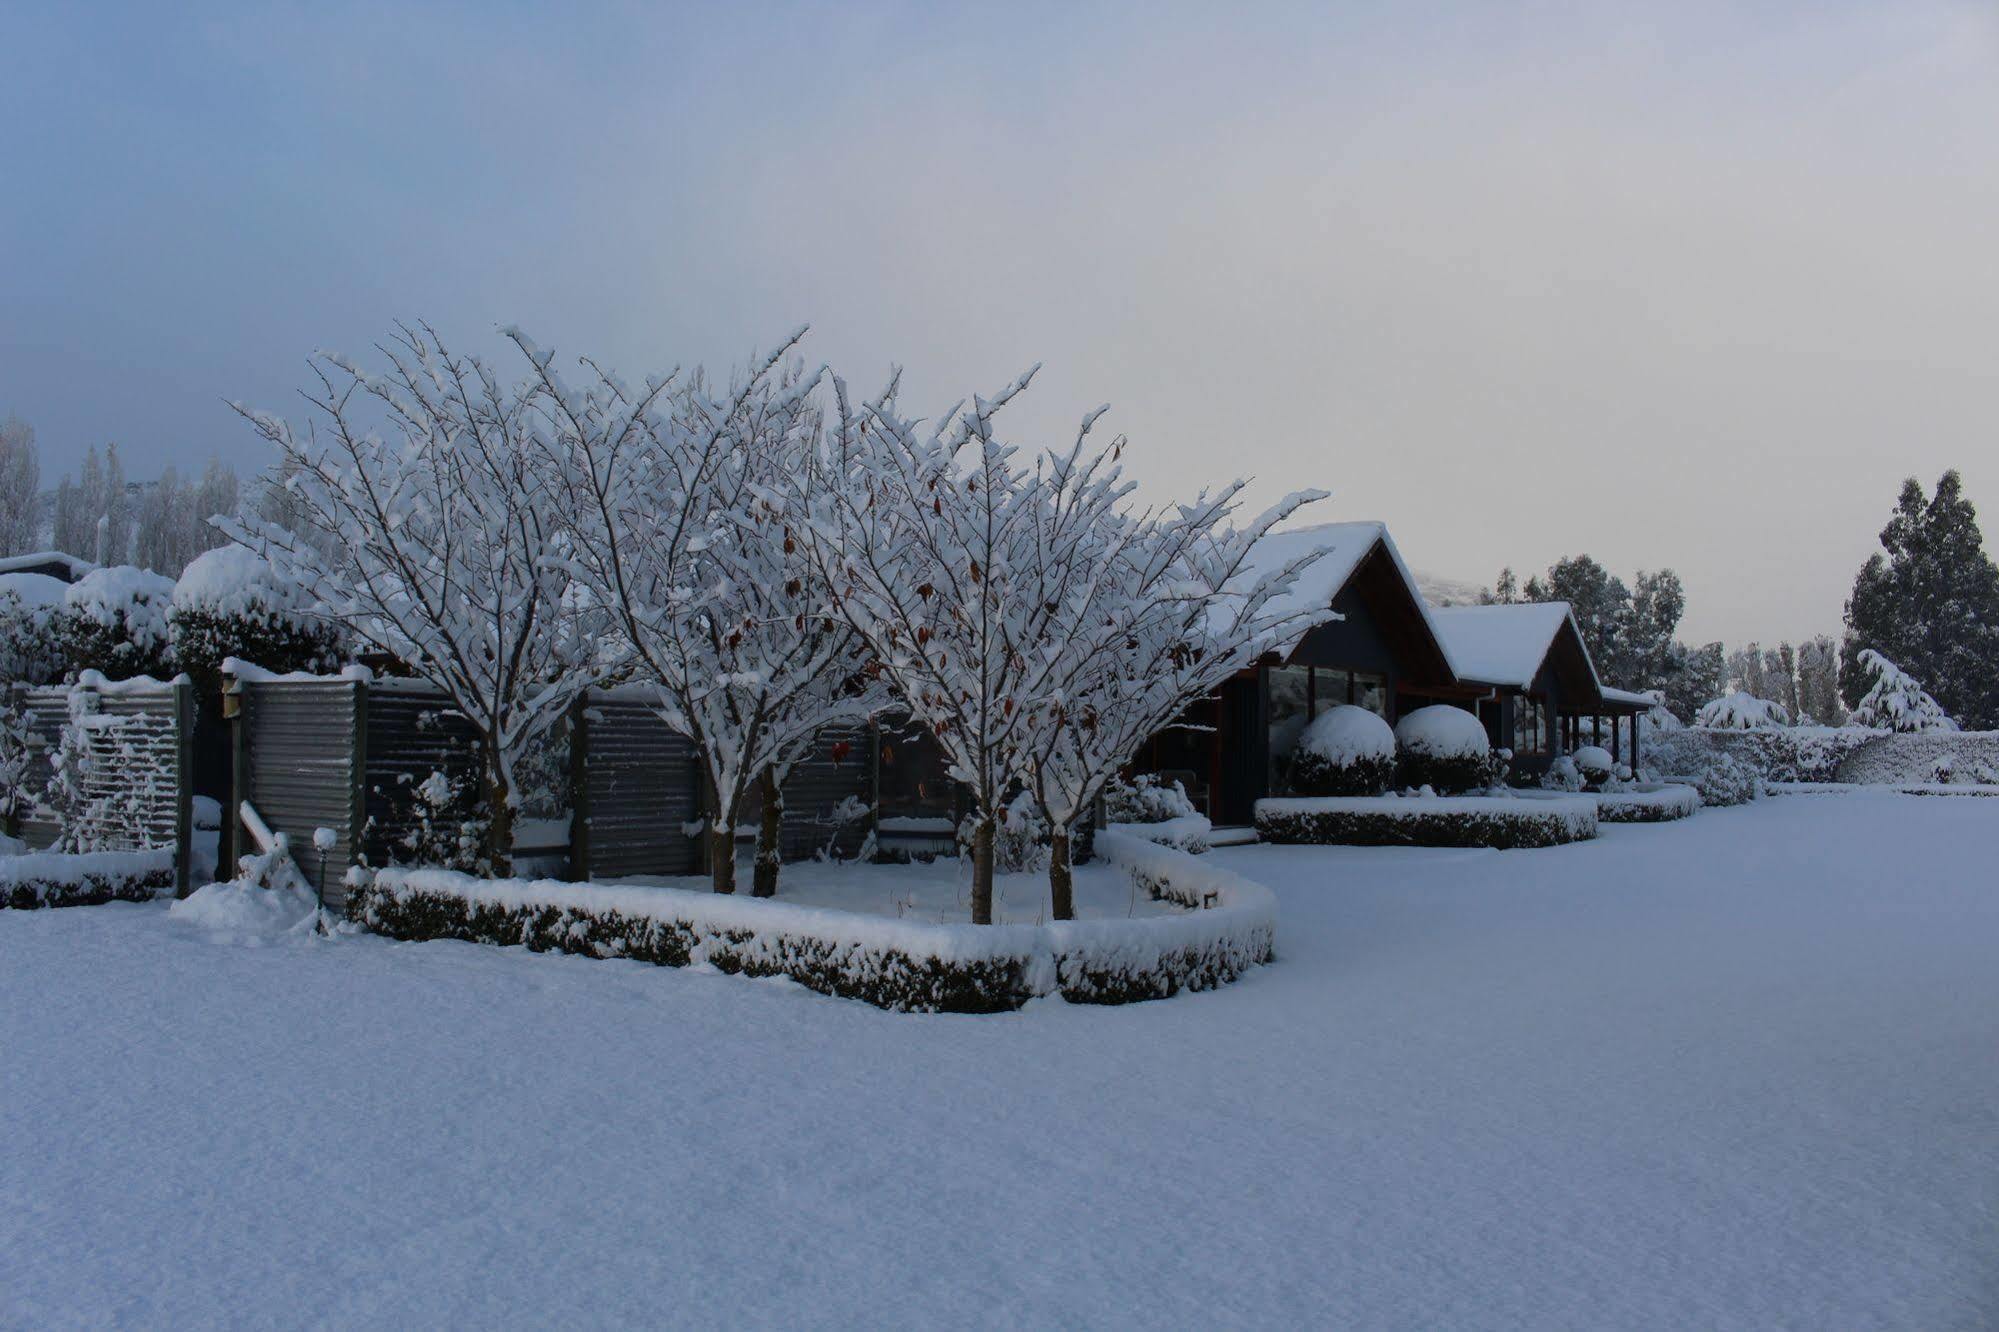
1740,1071
941,891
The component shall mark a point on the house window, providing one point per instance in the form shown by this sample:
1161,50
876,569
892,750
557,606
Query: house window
1370,692
1530,726
1290,710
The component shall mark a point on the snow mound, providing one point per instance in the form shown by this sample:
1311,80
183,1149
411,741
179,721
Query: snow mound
33,589
136,596
1346,733
1442,731
234,580
242,910
1741,712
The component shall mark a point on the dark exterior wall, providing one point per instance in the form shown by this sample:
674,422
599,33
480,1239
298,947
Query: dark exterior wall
299,761
1355,643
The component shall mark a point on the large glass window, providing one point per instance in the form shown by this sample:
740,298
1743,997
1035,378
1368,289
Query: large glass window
1290,709
1370,692
1530,726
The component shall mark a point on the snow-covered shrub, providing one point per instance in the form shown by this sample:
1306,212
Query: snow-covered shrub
230,603
1145,799
21,780
59,879
1738,711
1346,751
1727,780
1659,805
115,621
1502,823
905,965
444,821
894,964
1597,768
32,647
1562,775
1444,748
1896,758
1894,701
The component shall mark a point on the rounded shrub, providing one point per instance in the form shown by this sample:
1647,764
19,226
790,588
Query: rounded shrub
231,603
1595,765
1445,749
115,621
1346,751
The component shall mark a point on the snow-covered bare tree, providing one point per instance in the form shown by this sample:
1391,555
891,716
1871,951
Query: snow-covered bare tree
171,525
682,505
20,488
1140,616
1895,702
988,594
433,543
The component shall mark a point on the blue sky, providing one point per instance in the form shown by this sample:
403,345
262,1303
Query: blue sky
1672,284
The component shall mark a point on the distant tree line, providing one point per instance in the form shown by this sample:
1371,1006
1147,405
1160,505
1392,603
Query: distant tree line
97,515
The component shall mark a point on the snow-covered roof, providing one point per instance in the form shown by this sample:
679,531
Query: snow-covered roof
34,589
1345,546
47,558
1629,697
1506,644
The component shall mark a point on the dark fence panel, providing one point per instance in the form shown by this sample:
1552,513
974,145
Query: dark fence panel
297,762
636,792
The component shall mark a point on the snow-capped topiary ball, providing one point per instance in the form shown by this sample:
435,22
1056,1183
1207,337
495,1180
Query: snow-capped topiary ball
115,621
1346,751
1595,765
1444,747
234,580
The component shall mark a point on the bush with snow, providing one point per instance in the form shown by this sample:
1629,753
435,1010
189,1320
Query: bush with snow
1500,822
1145,799
1595,766
59,879
1738,711
1727,780
1444,748
116,621
230,602
1562,775
905,965
32,647
1894,701
1345,751
21,777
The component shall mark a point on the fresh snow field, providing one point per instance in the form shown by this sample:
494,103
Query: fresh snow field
1740,1071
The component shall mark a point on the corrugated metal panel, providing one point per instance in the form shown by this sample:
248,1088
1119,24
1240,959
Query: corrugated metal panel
299,752
149,733
640,790
410,735
833,781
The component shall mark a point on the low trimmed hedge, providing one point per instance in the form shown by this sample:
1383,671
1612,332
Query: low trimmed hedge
1499,822
1660,806
53,879
905,966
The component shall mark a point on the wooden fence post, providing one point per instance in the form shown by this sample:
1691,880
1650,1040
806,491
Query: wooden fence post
184,785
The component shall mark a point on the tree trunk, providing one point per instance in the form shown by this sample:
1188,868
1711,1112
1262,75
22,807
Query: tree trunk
499,822
722,855
982,871
765,882
1061,880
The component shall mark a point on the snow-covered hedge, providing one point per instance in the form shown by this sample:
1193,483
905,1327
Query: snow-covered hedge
905,965
230,603
1230,926
1501,822
1345,751
1660,805
1916,757
116,621
1778,754
1444,748
1727,780
51,879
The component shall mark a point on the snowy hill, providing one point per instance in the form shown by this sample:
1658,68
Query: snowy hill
1448,591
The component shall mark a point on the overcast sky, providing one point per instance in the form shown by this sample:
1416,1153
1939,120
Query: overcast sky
1673,284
